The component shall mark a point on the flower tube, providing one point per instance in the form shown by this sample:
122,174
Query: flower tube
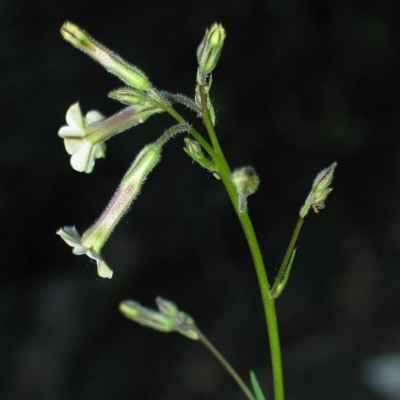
93,240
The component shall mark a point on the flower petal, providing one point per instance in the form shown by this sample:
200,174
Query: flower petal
94,116
67,131
100,150
72,145
83,159
103,270
71,236
74,117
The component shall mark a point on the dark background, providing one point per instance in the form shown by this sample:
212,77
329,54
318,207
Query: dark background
299,85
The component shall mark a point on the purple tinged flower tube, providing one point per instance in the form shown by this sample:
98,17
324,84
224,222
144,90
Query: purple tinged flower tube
93,240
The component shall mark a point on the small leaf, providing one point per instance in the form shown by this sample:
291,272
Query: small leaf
256,386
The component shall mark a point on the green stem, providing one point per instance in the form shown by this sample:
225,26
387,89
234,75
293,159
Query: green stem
178,117
244,218
289,252
226,365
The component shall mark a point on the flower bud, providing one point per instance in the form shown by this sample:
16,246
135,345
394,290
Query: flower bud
319,191
145,316
246,182
113,63
167,307
127,96
194,150
210,48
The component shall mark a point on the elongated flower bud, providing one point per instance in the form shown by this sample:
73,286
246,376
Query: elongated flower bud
113,63
146,316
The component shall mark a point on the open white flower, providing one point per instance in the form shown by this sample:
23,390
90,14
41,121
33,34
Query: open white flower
71,236
80,142
84,137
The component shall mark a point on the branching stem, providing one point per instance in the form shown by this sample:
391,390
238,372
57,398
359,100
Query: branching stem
244,218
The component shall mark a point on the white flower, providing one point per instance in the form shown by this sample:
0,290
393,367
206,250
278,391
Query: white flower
71,236
83,149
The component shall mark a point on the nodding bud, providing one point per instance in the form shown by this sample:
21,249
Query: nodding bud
246,182
319,191
210,48
168,319
113,63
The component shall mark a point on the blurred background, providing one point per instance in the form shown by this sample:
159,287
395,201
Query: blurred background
299,84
